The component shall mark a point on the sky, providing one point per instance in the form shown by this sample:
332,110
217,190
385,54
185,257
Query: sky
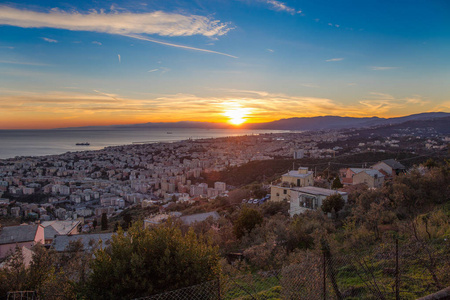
81,63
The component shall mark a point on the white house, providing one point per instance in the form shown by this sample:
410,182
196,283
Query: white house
296,178
310,198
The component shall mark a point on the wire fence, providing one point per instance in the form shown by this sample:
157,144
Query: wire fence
390,271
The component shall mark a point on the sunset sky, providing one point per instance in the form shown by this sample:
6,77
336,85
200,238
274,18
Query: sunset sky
78,63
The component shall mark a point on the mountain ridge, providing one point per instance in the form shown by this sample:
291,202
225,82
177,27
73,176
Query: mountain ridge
296,123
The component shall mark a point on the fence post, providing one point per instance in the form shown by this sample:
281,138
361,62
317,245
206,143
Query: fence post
324,276
397,273
219,296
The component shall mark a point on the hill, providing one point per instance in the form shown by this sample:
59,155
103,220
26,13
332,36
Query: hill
307,123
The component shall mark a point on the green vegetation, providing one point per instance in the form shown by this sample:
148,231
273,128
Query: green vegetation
357,246
144,262
336,184
333,203
247,220
270,170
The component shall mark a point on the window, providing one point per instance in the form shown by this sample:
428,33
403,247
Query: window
308,202
284,192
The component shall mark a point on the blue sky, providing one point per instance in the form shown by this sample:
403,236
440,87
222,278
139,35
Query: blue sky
115,62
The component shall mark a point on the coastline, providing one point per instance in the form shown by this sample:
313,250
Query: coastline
36,143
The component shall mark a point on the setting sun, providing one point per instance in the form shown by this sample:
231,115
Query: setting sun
236,115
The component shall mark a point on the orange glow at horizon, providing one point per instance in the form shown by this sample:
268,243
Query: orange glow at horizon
236,114
47,110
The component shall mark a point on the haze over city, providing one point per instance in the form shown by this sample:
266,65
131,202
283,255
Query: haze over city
101,63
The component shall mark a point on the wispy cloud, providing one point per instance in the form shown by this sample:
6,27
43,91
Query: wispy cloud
280,6
21,63
382,68
97,43
162,70
383,103
160,23
118,56
271,50
335,59
49,40
310,85
122,23
178,46
7,47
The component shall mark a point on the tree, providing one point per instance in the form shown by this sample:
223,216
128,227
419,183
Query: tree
127,219
14,276
336,184
41,275
247,220
271,208
333,202
430,163
104,221
145,262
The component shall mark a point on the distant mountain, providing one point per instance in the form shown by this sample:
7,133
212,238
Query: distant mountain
438,125
312,123
334,122
182,124
315,123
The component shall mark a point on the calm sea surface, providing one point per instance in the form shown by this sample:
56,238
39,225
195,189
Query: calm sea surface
48,142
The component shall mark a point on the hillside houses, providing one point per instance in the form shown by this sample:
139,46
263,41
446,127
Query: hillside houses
297,188
374,176
390,167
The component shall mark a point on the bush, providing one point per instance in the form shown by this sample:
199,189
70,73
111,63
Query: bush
145,262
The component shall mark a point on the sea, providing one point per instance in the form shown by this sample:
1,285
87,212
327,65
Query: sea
58,141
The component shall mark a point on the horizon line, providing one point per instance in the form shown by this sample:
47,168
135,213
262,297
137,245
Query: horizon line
226,124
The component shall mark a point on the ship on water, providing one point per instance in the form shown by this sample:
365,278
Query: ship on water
82,144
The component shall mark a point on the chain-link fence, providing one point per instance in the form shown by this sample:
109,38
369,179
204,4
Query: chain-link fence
34,295
388,272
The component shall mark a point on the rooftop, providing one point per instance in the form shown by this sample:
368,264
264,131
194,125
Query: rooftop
373,172
61,242
296,173
52,228
199,217
314,190
18,234
394,164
